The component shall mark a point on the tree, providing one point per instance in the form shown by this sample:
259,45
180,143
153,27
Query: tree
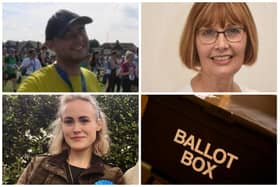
94,44
26,121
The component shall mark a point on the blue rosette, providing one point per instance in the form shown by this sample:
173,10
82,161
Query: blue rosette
103,182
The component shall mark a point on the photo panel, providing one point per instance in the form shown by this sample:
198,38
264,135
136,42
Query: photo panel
177,55
70,139
210,139
70,47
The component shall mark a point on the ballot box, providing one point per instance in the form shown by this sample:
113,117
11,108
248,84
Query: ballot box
209,139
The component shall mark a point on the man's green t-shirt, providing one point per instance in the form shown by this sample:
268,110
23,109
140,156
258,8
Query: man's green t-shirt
48,80
10,64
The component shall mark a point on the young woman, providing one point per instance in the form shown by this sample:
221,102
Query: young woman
79,140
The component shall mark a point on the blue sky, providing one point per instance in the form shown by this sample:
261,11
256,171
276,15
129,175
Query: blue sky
111,21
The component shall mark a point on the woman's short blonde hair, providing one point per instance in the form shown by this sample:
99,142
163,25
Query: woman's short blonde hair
57,143
210,14
128,54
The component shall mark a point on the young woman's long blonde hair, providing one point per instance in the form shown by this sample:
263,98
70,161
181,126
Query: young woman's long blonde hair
57,143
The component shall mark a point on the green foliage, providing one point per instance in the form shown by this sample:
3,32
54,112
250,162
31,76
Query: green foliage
94,43
25,130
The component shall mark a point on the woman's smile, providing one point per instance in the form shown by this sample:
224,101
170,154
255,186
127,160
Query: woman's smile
222,59
77,138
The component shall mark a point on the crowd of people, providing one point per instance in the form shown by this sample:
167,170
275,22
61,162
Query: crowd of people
16,66
117,72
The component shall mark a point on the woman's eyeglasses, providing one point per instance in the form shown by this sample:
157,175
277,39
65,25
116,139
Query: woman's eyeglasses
209,36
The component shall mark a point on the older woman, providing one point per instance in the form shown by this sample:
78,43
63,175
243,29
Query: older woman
80,138
217,40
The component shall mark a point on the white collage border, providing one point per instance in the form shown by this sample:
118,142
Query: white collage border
140,72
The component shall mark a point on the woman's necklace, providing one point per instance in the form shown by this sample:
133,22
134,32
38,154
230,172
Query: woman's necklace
70,172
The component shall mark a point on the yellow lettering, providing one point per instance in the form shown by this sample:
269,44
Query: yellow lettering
196,149
187,156
224,156
231,159
207,150
199,164
190,142
209,170
180,136
202,165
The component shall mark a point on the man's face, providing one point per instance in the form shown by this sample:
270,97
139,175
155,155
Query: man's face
12,53
32,54
113,56
73,46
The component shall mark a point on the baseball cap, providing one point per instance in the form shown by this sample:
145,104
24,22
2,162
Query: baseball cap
59,23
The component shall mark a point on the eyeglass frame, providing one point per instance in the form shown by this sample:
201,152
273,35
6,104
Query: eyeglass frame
222,32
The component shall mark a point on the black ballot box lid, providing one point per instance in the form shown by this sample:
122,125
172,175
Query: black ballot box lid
206,139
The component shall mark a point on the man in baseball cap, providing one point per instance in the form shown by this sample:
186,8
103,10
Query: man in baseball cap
67,37
61,21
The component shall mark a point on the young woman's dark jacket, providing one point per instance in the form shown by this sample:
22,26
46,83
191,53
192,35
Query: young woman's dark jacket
52,170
